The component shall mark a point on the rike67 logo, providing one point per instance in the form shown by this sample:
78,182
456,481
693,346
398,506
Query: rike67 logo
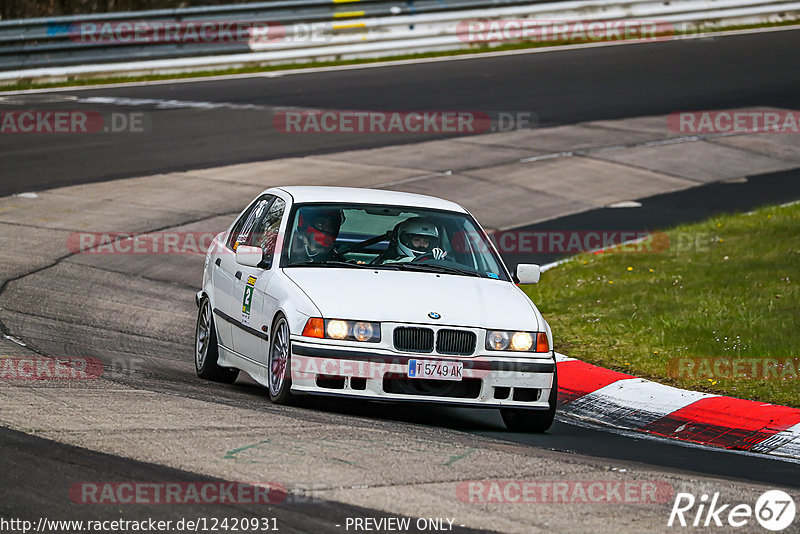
774,510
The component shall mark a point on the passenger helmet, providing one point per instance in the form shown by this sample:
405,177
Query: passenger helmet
416,227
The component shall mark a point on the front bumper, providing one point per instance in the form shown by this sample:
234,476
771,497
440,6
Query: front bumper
379,374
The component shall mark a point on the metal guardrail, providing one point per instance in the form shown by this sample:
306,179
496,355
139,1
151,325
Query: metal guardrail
49,42
48,49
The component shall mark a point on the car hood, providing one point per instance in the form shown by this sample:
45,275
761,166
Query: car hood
408,297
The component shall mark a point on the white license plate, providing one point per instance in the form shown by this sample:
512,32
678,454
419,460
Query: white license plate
435,369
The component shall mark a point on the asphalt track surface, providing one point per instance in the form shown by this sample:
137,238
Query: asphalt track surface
65,464
757,70
28,460
561,87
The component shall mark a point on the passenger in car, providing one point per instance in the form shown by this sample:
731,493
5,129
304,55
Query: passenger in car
413,239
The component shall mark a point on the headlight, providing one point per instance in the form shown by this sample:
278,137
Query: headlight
497,340
517,341
522,341
341,329
336,329
363,331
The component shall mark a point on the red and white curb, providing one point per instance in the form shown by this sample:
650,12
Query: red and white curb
590,393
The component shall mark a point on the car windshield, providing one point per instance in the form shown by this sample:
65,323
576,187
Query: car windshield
389,237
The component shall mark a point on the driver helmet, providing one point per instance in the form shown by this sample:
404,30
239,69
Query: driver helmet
416,237
319,228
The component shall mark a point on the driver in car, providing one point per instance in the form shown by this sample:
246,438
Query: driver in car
316,233
415,238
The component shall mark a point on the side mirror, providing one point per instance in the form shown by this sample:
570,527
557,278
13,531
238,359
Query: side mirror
249,256
528,273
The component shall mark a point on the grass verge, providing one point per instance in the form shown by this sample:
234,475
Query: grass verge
717,310
22,85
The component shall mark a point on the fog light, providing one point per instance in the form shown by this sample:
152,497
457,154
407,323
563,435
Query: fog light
337,329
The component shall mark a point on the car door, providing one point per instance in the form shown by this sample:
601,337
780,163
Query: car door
257,306
222,282
228,300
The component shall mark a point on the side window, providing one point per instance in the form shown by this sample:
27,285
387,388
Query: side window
243,229
265,230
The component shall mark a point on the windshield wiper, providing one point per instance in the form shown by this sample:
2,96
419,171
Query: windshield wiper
330,263
428,267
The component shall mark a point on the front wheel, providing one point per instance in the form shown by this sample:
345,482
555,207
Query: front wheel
536,421
280,379
206,348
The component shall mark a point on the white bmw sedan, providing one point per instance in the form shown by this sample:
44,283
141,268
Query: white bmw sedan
377,295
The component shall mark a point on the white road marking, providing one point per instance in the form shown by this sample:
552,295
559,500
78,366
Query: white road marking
625,204
15,340
159,103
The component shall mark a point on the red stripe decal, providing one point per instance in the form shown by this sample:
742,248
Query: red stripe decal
725,422
577,378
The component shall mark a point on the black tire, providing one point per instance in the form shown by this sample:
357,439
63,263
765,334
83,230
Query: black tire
279,363
206,348
534,421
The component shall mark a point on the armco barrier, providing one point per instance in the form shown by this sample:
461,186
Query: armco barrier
54,49
49,42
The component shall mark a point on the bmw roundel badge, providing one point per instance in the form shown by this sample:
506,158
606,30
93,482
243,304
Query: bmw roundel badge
434,315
